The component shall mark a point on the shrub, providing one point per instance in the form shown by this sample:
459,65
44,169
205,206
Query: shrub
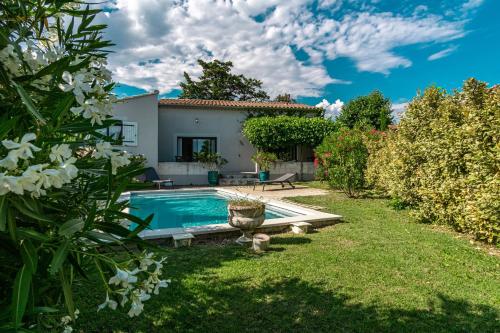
264,160
269,133
343,156
444,159
60,179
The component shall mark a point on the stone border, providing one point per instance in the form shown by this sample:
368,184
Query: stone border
316,218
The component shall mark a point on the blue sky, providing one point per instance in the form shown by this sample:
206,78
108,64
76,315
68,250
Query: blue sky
313,49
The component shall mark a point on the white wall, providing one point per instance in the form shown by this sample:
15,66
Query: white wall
225,125
142,109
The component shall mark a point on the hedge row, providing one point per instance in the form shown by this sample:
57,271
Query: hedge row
444,159
284,131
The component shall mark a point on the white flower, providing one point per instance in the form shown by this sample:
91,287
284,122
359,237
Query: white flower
68,170
159,265
68,329
10,60
76,83
161,284
52,178
60,153
108,303
123,278
135,309
23,150
65,320
119,160
103,150
10,184
10,161
146,261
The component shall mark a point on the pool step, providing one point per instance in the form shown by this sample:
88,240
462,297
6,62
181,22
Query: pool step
182,239
301,227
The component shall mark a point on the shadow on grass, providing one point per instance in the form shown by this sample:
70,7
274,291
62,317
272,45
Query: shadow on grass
296,240
201,300
292,305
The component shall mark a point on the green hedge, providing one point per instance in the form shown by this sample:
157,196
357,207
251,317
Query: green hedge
283,131
444,159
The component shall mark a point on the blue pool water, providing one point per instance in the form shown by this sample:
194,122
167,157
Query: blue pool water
188,209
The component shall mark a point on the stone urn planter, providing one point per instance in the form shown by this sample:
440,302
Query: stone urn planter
246,215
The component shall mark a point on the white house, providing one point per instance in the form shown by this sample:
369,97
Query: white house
169,131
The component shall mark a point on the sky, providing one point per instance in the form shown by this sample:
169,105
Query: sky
321,51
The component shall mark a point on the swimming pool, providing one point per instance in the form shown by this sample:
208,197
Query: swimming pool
184,209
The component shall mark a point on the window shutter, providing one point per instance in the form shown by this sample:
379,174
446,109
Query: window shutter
129,133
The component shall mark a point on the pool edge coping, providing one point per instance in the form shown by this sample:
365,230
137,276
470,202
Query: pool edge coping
307,215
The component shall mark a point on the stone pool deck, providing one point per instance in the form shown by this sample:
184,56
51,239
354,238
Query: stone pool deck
276,192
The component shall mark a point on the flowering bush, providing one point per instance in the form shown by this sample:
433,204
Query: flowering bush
342,157
444,159
60,178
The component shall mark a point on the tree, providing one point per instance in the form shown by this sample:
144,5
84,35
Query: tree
60,179
286,98
217,82
370,111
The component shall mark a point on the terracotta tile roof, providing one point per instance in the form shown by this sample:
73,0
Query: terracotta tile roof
216,104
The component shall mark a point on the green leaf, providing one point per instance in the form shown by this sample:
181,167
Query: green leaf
28,102
29,254
20,294
26,211
3,212
68,293
59,257
30,233
43,309
118,191
68,228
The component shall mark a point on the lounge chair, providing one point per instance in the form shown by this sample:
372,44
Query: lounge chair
152,176
286,178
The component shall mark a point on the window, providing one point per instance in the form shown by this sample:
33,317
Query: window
127,131
187,147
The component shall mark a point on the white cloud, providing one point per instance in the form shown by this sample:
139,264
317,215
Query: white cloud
157,40
442,53
332,110
471,4
398,110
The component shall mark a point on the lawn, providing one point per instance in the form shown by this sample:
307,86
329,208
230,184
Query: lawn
376,272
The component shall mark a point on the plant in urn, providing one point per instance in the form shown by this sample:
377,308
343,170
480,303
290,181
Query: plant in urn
246,215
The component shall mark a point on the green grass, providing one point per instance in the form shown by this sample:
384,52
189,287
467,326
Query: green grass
376,272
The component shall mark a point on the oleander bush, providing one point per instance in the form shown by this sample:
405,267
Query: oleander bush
444,159
342,158
60,178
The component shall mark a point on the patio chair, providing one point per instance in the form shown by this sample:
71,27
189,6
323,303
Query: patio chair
286,178
152,176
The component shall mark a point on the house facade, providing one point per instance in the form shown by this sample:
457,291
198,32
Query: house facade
169,133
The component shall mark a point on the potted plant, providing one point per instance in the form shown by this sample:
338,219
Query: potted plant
246,215
213,162
264,162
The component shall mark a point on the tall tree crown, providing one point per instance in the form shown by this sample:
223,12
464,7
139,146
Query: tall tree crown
373,110
217,82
